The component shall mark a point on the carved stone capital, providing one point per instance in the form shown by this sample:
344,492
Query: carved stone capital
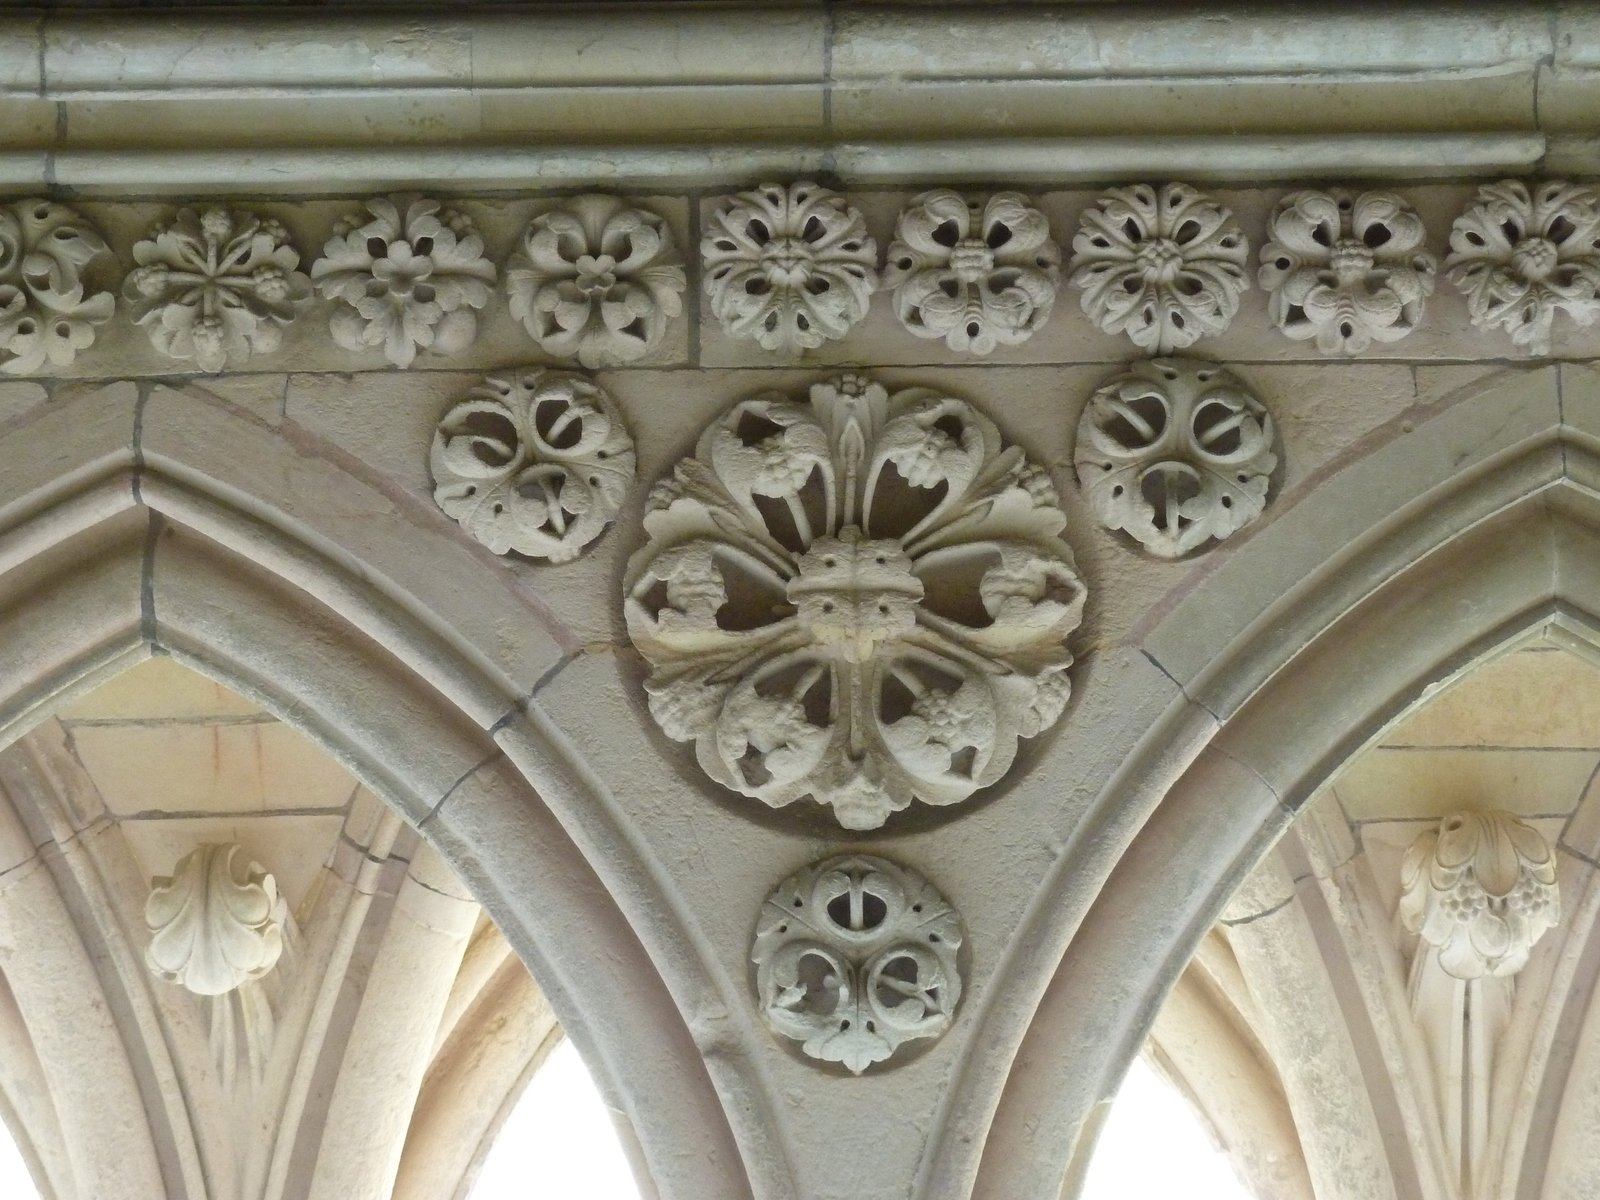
855,957
859,598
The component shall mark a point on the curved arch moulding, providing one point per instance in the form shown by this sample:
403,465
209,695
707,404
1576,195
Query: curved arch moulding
134,522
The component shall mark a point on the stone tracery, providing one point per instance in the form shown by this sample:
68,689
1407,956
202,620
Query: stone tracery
861,598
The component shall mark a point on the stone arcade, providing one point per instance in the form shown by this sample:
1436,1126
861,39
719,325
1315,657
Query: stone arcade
894,555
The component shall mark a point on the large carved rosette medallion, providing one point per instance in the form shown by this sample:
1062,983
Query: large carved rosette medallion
855,957
860,598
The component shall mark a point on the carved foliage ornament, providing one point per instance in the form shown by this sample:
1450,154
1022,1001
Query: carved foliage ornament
978,278
538,462
1165,266
790,267
1346,270
855,957
406,280
1481,890
215,286
1520,256
44,314
861,599
1175,452
216,923
597,281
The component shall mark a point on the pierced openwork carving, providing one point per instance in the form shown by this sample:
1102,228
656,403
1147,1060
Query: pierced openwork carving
216,923
861,598
45,317
1175,452
790,267
1480,889
855,957
537,462
597,281
405,280
1346,270
215,286
976,277
1165,266
1521,256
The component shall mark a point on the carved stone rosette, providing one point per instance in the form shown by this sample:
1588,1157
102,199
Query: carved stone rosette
216,286
216,923
1480,890
790,267
537,462
861,598
45,317
855,957
976,277
1521,256
1175,452
597,281
1346,270
1165,266
405,280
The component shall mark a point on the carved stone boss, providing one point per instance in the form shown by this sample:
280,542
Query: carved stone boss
536,462
860,598
855,957
1176,453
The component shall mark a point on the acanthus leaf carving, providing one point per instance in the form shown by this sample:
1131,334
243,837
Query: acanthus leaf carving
405,280
45,314
1346,270
597,281
855,957
1175,452
860,598
1166,266
216,923
1522,256
1480,890
536,462
977,277
789,267
215,286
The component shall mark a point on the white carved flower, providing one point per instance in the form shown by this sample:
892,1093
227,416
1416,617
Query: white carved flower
45,317
1176,453
216,923
596,281
1520,256
537,462
1346,270
1480,888
215,286
861,599
1164,266
405,281
790,267
855,957
976,278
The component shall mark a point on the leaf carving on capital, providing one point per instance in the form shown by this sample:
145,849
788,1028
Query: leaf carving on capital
978,277
47,314
859,598
855,957
407,279
215,286
1175,452
1166,265
1521,256
789,267
537,462
216,923
1480,889
596,280
1346,270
